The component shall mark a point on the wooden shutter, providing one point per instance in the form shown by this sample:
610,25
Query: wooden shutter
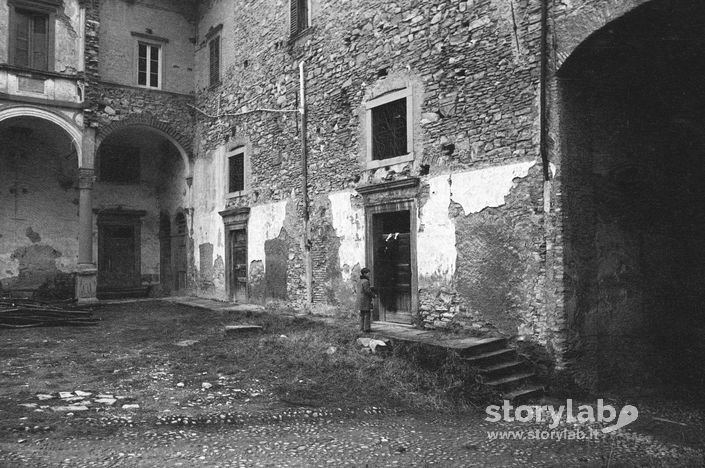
21,39
214,66
40,42
294,17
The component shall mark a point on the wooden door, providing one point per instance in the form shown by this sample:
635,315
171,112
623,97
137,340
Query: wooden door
392,266
238,265
118,262
180,252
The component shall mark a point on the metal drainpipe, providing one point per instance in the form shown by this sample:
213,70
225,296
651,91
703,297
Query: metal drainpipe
304,180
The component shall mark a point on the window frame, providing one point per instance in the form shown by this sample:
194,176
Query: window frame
232,151
47,8
160,62
295,28
373,103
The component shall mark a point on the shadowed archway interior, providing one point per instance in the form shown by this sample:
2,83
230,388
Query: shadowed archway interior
632,118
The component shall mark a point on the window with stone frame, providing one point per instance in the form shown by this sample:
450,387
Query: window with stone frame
389,128
214,61
119,164
149,65
31,38
237,170
299,19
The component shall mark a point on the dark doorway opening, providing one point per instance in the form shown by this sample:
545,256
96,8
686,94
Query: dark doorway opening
119,271
391,268
237,278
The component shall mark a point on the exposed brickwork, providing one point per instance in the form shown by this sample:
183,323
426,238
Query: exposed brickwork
151,121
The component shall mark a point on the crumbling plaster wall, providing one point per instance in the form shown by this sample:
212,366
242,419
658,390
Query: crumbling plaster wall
38,212
67,36
473,70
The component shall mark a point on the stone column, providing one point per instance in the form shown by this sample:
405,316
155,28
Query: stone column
87,274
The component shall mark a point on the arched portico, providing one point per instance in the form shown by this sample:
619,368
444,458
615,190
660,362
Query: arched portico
163,129
631,141
70,127
43,152
143,176
574,22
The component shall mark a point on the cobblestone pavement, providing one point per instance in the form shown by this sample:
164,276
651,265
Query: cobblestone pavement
314,437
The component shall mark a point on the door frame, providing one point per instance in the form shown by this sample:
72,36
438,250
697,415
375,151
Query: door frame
122,218
234,219
409,205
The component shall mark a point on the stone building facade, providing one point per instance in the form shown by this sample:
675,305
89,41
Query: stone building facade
524,167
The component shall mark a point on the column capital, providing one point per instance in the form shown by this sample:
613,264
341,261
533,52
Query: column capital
86,178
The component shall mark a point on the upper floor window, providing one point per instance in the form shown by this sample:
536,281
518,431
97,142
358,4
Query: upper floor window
238,169
31,42
299,19
389,128
214,61
149,58
236,172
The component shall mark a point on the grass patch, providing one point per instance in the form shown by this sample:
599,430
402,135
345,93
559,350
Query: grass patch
296,361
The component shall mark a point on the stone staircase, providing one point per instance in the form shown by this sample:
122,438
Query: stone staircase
498,364
502,369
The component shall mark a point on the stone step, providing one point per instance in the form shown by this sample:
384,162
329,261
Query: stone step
491,357
524,393
511,381
502,368
123,293
241,329
481,346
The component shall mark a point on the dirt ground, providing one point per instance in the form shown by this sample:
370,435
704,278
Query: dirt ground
158,384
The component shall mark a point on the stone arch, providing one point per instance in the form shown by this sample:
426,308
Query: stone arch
573,26
67,125
181,142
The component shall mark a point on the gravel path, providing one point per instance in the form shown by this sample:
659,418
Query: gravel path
308,437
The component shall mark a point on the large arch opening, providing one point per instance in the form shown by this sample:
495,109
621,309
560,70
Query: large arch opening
38,208
632,120
141,183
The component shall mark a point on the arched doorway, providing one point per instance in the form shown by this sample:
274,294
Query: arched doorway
632,123
141,183
39,222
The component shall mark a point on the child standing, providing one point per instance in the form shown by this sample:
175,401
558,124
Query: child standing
365,293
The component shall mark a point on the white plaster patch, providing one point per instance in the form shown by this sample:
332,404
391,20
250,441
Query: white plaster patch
436,251
484,188
208,200
9,267
265,223
349,225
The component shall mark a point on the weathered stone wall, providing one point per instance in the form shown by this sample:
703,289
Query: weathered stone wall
165,19
472,68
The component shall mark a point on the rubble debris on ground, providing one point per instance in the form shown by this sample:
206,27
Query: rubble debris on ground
372,345
27,313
